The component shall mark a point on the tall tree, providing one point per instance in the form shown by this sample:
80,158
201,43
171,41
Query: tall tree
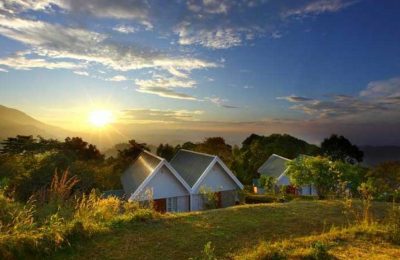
338,148
166,151
217,146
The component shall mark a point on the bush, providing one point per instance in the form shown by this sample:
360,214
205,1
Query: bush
255,199
319,251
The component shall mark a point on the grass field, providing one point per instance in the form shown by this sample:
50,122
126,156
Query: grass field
234,232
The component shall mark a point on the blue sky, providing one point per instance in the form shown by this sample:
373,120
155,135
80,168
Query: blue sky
307,68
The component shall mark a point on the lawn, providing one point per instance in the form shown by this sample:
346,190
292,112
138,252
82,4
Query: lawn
233,232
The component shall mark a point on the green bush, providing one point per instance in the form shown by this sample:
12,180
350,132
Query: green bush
254,199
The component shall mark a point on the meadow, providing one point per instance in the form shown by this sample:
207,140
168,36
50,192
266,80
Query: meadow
297,229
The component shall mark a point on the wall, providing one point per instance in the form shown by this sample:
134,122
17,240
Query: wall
218,180
164,185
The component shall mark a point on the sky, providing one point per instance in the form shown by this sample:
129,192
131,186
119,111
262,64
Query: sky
181,70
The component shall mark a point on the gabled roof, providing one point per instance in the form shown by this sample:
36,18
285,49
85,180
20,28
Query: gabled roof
141,168
194,166
275,166
191,165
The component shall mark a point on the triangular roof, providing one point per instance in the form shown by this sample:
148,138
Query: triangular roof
194,166
275,166
191,165
143,170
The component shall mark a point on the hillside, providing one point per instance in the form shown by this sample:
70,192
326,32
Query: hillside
14,122
232,231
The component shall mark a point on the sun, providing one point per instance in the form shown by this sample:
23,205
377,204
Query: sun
101,118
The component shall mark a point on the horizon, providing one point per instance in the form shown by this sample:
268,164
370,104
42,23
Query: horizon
186,70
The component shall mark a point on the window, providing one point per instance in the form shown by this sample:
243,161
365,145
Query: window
172,204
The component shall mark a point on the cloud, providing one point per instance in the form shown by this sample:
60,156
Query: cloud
3,70
318,7
209,6
157,115
294,98
216,38
164,87
82,46
379,100
124,29
220,102
117,78
81,73
118,9
20,62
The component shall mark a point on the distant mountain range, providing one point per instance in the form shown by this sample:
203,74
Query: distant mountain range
15,122
377,154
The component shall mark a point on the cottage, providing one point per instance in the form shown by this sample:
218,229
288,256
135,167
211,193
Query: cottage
276,166
200,170
152,176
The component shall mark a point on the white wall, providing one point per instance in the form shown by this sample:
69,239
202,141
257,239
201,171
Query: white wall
217,180
183,204
164,185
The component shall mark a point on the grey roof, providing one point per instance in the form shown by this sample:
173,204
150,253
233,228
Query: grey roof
190,165
141,168
274,166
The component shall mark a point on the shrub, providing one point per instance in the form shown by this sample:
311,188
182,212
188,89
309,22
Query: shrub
393,224
319,251
254,199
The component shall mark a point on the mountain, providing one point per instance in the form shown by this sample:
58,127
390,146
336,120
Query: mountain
374,155
14,122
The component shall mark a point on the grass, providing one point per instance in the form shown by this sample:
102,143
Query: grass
233,232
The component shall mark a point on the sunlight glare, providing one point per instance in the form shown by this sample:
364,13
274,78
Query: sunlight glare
101,118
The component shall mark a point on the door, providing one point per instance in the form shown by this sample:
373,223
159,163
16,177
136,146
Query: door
218,197
160,205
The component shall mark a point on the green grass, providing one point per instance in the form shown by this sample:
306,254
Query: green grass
232,231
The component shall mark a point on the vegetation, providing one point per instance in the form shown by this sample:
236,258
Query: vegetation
53,218
236,232
338,148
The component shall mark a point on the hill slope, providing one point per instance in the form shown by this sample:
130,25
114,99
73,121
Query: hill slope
14,122
232,231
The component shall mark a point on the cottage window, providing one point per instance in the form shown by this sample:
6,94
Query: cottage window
172,204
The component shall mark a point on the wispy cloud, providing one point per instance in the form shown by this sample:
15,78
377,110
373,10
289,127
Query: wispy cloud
20,62
221,102
118,78
165,87
156,115
126,29
318,7
81,73
379,100
58,42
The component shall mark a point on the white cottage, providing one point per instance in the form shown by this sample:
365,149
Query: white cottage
208,171
276,166
152,174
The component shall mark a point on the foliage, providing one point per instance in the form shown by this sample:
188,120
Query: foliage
317,171
393,224
209,197
255,199
386,179
268,182
166,151
256,149
319,251
216,146
338,148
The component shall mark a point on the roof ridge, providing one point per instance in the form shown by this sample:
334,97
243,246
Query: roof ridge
200,153
274,154
152,154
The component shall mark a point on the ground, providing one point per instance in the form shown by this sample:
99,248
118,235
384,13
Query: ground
234,232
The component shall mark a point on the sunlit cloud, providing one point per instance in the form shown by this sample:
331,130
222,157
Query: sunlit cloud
318,7
81,73
118,78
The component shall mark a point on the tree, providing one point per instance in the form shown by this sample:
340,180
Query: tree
133,151
351,175
81,149
166,151
317,171
386,177
340,148
217,146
